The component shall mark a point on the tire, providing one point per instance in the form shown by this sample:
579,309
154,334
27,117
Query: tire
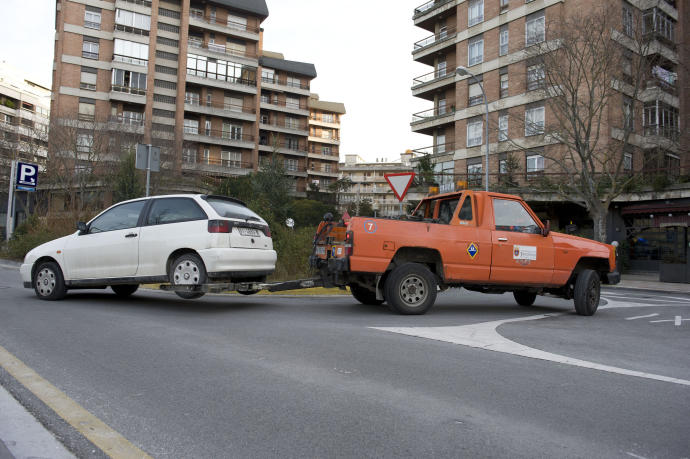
248,292
364,295
524,298
124,291
48,282
587,291
411,289
188,269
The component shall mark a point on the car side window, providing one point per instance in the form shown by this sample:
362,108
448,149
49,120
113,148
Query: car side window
446,210
121,217
466,209
512,216
174,210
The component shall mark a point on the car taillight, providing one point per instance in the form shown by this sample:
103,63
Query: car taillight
219,226
349,239
267,231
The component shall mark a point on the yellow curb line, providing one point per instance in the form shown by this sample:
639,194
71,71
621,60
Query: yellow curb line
111,442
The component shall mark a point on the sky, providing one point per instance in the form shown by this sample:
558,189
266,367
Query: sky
361,50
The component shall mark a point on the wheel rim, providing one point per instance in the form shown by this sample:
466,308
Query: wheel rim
45,282
186,273
593,295
413,291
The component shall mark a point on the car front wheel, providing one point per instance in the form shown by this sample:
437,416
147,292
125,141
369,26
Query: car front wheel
48,281
188,269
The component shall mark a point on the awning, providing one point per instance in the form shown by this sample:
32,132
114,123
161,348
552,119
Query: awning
655,208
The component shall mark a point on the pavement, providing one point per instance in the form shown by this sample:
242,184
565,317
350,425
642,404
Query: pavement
23,436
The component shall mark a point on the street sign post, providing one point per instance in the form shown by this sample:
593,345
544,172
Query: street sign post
148,159
23,177
400,184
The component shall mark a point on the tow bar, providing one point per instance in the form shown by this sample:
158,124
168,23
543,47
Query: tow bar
246,286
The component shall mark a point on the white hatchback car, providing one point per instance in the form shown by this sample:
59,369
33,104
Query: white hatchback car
180,239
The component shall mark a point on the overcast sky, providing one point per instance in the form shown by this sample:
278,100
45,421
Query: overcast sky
361,49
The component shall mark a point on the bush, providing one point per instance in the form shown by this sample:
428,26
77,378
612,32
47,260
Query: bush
294,248
34,232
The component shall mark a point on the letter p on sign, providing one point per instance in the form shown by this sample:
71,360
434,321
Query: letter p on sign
27,176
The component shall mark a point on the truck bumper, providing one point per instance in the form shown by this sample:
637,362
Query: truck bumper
613,278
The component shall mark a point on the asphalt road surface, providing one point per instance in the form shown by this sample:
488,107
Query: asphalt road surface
260,376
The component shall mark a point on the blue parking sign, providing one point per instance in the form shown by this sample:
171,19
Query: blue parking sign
27,176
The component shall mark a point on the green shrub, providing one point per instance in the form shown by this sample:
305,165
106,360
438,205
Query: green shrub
294,248
34,232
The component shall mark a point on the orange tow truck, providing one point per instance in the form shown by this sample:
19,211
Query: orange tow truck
482,241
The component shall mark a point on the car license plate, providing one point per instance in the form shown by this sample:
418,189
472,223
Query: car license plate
249,232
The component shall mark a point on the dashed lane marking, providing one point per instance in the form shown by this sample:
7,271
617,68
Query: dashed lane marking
485,336
100,434
641,317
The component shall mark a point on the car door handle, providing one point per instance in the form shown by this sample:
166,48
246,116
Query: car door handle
503,239
131,235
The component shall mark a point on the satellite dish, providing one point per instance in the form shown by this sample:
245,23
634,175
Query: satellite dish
290,223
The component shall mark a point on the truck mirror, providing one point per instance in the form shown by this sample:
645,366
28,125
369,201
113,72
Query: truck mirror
547,228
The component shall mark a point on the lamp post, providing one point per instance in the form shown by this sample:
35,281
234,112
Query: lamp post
462,71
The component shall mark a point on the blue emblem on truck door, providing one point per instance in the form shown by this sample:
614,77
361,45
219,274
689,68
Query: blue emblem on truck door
472,250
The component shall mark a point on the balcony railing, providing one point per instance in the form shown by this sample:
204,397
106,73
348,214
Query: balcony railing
283,103
227,107
668,132
428,6
128,90
130,29
290,84
436,75
213,76
436,149
431,114
436,38
127,120
129,60
661,84
146,3
219,134
295,126
229,24
292,146
192,160
220,49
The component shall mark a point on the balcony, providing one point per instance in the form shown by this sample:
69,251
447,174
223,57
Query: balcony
428,7
333,140
437,150
426,15
220,49
283,147
219,137
287,128
284,106
199,19
671,133
128,94
432,114
215,166
321,171
127,124
426,49
203,78
282,84
219,109
430,82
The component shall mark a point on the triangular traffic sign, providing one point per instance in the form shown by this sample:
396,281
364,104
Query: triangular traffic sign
400,183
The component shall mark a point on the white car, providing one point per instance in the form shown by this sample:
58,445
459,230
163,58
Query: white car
180,239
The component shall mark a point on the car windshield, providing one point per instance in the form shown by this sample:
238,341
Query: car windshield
230,209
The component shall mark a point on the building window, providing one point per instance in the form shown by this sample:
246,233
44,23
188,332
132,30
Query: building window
87,109
504,85
441,107
131,52
191,98
84,142
656,22
191,127
475,12
475,48
291,165
166,70
292,102
232,131
441,69
503,40
326,151
268,75
231,159
89,48
92,18
660,119
502,127
130,117
440,143
237,22
328,118
130,82
535,77
474,175
165,84
218,69
292,143
88,80
505,4
627,162
502,166
294,82
129,21
476,95
168,13
189,155
207,127
535,28
168,27
474,132
628,20
327,167
628,117
534,121
534,163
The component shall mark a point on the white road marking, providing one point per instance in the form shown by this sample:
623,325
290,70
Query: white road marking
484,336
641,317
652,298
677,321
635,455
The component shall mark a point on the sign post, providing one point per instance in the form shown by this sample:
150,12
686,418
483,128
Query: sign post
24,177
149,159
400,184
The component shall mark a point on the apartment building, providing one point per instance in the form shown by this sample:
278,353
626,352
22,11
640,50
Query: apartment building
369,183
324,140
190,76
491,39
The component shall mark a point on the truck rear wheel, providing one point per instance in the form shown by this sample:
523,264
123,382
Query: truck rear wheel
587,291
524,298
411,289
364,295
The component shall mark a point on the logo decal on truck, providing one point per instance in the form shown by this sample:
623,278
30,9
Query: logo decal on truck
370,226
472,250
524,252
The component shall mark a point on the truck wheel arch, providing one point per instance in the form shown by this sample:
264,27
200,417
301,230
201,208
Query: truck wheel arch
426,256
600,265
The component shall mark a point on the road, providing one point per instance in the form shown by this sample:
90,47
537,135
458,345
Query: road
235,376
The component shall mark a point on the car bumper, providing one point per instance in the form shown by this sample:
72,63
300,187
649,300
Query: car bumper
237,260
25,272
613,278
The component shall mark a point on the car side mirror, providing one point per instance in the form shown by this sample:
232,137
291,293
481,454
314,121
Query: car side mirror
82,227
546,229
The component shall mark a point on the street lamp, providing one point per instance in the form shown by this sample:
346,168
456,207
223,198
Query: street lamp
462,71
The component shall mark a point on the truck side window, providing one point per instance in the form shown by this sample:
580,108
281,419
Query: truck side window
511,216
466,209
446,210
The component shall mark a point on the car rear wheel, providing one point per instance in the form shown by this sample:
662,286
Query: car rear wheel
48,281
188,269
524,298
124,290
364,295
587,291
411,289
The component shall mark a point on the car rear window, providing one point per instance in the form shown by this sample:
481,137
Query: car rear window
229,209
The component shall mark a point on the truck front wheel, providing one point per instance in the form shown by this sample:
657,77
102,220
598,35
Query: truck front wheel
587,290
364,295
411,289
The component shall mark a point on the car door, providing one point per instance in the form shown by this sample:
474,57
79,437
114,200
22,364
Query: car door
521,254
171,224
109,248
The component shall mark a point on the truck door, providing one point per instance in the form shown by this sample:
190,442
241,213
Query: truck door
521,255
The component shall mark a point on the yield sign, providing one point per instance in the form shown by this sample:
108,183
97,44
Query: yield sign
400,183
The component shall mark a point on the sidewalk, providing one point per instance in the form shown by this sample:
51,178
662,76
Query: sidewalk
650,281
